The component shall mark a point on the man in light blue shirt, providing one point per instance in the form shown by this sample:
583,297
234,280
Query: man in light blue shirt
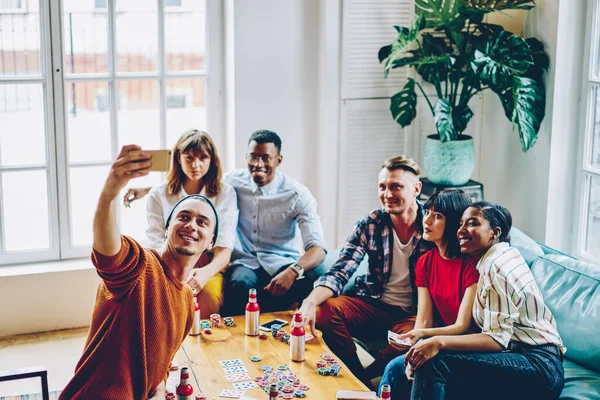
266,256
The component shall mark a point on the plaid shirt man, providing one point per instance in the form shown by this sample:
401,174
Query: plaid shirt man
373,236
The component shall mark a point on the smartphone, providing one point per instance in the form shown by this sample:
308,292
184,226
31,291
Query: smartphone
161,159
267,325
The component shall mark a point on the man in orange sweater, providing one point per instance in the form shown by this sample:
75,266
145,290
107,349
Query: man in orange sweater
143,307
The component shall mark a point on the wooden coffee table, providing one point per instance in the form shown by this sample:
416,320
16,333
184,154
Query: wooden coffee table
202,354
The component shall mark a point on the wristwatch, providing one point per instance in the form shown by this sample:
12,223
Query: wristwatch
298,269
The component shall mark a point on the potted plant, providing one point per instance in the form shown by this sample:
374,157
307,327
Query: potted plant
452,48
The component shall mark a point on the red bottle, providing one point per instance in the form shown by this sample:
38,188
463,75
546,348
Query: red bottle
386,392
297,338
196,324
252,314
185,391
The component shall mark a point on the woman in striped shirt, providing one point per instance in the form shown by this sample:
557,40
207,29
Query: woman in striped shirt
519,352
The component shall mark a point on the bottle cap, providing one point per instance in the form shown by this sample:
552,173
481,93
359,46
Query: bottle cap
298,316
185,373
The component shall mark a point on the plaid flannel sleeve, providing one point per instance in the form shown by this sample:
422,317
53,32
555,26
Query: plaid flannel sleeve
350,258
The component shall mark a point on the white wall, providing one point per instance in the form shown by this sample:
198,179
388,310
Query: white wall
275,79
47,301
520,180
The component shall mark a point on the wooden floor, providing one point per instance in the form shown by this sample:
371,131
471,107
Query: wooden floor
58,351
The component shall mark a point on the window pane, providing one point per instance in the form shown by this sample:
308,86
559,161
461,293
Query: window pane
20,40
185,51
137,35
186,107
85,37
88,121
595,127
22,119
139,119
25,201
133,220
85,186
596,43
592,241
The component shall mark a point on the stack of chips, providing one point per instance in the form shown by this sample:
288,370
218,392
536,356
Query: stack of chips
228,321
274,329
200,397
328,365
170,396
215,320
204,324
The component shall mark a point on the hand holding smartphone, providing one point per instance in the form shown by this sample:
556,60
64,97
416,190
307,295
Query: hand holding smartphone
160,159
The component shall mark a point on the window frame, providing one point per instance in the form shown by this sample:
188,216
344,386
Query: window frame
54,79
585,170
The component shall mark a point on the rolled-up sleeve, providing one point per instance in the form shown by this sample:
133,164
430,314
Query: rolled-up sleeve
228,217
342,270
500,311
309,221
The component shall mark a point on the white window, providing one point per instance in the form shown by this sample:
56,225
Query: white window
77,82
589,221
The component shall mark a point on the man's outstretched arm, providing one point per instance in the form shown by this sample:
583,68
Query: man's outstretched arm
107,240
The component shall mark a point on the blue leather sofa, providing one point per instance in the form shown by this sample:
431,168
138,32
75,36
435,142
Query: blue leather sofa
571,289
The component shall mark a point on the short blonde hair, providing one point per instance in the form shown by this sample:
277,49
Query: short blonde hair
401,162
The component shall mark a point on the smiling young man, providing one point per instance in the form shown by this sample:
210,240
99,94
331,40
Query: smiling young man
385,298
143,309
271,208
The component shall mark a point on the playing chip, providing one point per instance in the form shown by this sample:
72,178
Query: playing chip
255,358
208,331
282,367
267,368
299,393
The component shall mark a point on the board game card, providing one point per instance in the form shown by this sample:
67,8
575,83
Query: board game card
393,337
243,376
235,370
245,385
231,363
231,394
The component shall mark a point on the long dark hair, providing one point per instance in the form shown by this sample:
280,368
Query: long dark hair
195,141
451,203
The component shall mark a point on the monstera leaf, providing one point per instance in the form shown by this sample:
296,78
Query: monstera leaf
441,13
529,109
504,56
398,49
487,6
404,104
442,116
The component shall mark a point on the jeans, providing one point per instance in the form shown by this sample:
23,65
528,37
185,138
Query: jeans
394,375
241,279
524,372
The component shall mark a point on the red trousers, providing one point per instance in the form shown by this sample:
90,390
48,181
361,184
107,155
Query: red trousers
343,317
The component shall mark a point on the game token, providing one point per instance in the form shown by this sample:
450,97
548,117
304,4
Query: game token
262,335
321,363
255,358
208,331
299,393
287,389
287,396
296,384
267,368
273,379
282,367
303,387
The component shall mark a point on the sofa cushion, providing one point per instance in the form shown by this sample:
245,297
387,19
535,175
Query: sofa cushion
571,289
580,383
528,247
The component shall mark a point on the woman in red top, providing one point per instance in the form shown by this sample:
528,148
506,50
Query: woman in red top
446,282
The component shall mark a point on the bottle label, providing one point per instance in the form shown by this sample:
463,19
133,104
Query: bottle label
297,348
252,323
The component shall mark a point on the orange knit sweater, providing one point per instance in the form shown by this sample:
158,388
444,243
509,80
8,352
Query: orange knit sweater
141,317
